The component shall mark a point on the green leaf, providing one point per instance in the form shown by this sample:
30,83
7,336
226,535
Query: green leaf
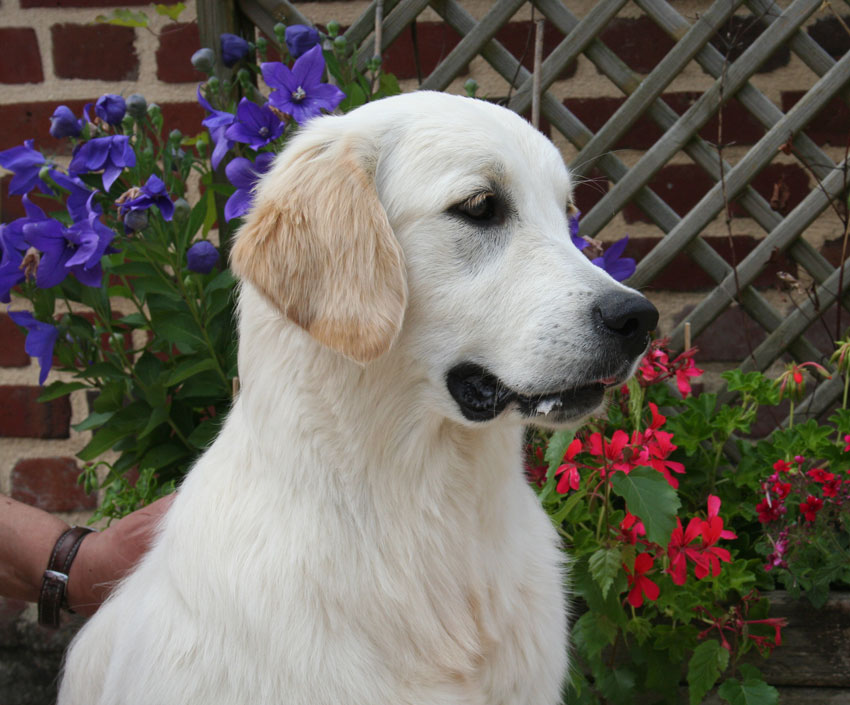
94,420
649,497
162,455
124,18
172,12
60,389
158,417
604,566
709,660
617,685
592,633
205,433
189,368
751,692
558,444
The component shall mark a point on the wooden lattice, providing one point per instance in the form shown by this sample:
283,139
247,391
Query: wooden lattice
786,334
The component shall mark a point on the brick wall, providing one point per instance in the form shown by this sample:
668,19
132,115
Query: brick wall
52,53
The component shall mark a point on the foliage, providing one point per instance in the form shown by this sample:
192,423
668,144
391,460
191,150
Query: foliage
128,291
671,545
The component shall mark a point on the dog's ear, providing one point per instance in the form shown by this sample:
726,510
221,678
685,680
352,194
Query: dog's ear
318,245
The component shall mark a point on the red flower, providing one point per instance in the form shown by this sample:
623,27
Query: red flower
781,466
641,586
679,552
631,528
811,507
612,452
570,479
658,446
820,475
769,511
830,488
706,556
847,442
688,369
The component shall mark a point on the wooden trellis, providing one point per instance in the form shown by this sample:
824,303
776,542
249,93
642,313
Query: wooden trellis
786,334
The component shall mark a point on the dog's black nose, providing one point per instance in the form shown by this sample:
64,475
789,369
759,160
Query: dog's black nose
629,317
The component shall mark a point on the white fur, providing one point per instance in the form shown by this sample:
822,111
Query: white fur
349,537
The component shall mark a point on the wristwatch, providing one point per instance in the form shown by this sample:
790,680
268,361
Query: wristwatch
53,596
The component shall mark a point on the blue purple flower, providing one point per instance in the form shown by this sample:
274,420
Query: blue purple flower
79,202
112,154
26,163
63,123
255,125
217,123
573,220
233,49
41,337
202,257
243,175
14,247
153,193
300,91
111,108
620,268
300,39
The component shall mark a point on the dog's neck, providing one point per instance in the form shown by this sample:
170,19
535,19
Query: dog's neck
368,426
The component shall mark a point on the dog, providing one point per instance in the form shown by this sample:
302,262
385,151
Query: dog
361,531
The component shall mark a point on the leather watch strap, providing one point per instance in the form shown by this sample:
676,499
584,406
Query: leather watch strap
53,597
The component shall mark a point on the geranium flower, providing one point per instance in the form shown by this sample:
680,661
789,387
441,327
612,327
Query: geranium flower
14,247
300,38
612,261
570,478
679,549
782,466
112,154
233,49
243,175
202,257
641,586
712,532
683,374
41,337
153,193
820,475
300,92
26,164
612,452
810,508
793,381
847,442
255,125
111,108
63,123
631,529
769,511
217,123
654,454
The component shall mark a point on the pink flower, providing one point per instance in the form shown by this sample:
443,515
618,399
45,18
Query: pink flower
641,586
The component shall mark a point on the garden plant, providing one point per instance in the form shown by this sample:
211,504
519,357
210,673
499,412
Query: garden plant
122,260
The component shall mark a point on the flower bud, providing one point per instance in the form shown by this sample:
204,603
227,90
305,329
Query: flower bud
300,39
44,173
333,28
262,47
202,257
136,220
137,106
471,87
127,123
204,60
175,135
213,85
243,76
110,108
280,32
233,49
63,123
340,43
154,111
182,209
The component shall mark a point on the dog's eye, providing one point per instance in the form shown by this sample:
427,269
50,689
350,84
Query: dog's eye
482,208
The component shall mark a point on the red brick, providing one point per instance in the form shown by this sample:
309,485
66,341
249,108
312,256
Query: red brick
23,416
736,36
12,353
101,52
831,35
20,60
185,117
729,338
683,274
23,121
434,41
829,125
50,484
590,190
177,43
518,38
738,126
639,42
680,186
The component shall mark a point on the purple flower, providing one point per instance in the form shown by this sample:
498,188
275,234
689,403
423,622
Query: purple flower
41,337
300,39
233,49
112,154
26,163
111,108
63,123
243,175
14,246
75,250
217,123
79,202
153,193
620,268
255,126
300,92
578,240
202,257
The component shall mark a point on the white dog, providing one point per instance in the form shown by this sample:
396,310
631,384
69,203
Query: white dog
361,532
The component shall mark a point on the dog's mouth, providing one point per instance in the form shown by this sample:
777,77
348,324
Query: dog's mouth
481,396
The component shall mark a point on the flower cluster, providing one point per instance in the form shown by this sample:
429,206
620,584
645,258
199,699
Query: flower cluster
657,366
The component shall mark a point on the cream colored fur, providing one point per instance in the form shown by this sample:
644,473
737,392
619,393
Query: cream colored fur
349,538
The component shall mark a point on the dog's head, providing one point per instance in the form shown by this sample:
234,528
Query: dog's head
436,227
